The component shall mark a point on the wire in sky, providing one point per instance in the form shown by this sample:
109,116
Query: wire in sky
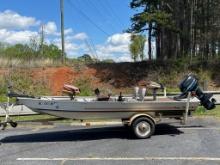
89,43
98,12
101,13
94,48
114,13
88,18
90,48
108,10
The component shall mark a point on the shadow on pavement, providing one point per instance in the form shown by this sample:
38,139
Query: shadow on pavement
87,134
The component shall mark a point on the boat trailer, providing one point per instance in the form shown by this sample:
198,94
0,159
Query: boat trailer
141,122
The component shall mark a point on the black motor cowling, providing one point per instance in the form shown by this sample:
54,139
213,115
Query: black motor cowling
190,84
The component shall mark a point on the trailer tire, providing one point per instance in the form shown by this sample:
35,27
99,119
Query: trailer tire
143,127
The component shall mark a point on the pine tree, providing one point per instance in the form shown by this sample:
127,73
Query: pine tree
181,28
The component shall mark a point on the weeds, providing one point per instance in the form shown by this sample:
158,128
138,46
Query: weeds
22,83
84,83
3,89
32,63
201,111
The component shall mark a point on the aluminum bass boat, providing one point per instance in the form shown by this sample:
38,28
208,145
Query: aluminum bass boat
139,112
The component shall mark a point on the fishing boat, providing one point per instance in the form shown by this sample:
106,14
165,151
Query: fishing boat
139,112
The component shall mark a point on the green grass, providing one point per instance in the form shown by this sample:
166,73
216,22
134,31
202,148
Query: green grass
3,99
84,84
170,90
200,111
31,118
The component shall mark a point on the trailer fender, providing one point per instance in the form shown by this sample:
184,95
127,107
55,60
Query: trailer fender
141,115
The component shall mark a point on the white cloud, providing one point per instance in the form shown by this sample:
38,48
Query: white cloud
108,48
78,36
13,37
50,28
116,47
70,47
12,20
124,58
14,28
153,49
68,31
119,39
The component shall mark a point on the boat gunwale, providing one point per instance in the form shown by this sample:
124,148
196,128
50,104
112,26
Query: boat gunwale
113,101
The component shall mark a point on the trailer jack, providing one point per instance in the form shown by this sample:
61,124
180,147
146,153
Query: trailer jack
7,107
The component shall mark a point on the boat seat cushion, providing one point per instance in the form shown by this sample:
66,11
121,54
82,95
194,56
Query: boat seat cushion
70,89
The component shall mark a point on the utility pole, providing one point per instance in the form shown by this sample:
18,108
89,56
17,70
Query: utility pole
62,30
42,40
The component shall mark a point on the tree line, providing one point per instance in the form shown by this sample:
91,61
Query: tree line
180,28
32,50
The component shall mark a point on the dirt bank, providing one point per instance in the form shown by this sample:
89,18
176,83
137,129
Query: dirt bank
115,77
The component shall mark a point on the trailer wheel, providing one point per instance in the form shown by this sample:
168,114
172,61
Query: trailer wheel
143,127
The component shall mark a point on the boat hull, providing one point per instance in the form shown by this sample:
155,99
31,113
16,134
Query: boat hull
106,109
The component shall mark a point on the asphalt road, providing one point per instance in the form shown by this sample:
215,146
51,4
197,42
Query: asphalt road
196,143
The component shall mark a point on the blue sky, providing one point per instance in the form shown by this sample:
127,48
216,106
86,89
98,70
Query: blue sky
92,26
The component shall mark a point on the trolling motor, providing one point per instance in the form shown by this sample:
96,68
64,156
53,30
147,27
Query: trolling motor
190,84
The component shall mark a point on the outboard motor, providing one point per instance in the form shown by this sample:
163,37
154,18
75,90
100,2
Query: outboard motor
190,84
